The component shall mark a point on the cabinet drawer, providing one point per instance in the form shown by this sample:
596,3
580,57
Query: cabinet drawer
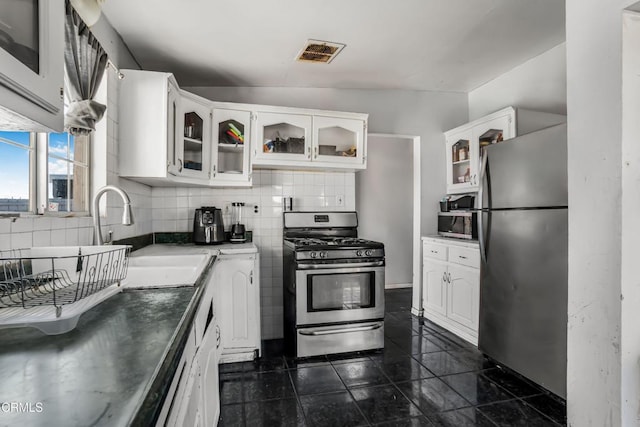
465,256
434,251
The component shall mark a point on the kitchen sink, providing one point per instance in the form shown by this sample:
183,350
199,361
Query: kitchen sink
150,271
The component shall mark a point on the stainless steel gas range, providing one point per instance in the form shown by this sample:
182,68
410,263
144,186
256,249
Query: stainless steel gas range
333,285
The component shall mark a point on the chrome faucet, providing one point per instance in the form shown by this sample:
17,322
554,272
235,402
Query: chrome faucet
127,214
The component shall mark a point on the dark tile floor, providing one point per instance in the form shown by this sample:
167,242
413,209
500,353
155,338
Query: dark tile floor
425,376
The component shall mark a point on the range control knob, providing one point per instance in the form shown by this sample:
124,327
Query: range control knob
368,252
313,254
323,254
358,253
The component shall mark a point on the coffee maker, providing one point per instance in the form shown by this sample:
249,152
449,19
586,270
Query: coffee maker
208,228
238,232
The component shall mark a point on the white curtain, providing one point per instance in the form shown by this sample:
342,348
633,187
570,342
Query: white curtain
84,65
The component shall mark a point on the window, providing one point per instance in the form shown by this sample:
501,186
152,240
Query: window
67,173
43,173
16,160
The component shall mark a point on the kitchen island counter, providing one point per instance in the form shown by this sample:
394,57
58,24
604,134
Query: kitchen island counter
109,370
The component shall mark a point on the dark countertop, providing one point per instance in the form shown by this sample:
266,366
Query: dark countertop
112,369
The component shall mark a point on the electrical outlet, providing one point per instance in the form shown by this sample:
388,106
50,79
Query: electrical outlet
340,201
226,208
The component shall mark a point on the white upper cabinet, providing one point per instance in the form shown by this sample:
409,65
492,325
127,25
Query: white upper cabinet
231,146
464,144
31,64
339,141
168,136
282,138
309,139
150,128
194,142
462,161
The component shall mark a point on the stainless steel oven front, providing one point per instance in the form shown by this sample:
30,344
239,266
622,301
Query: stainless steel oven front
339,293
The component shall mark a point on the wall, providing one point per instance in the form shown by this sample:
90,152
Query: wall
594,106
388,219
424,114
538,84
630,282
173,210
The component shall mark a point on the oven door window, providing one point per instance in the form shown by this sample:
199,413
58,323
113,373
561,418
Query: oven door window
347,291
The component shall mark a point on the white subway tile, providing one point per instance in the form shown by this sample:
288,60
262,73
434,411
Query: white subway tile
5,225
41,223
170,214
298,178
265,178
59,237
22,225
5,241
42,238
59,223
85,236
21,240
309,179
71,236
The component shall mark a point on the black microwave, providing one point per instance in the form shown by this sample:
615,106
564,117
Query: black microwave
458,224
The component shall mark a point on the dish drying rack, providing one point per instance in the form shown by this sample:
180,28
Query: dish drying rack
50,287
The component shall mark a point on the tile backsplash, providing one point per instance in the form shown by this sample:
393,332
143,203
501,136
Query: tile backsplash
173,211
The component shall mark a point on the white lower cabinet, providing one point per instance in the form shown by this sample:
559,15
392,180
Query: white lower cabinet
451,286
435,286
238,291
194,394
191,407
463,296
208,359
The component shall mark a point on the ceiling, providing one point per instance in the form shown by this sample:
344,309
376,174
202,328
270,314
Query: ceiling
441,45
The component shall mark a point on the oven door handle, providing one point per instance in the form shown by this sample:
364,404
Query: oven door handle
341,331
310,266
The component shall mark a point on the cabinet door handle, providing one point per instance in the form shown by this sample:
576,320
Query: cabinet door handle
251,277
449,274
218,336
308,152
180,168
315,152
444,276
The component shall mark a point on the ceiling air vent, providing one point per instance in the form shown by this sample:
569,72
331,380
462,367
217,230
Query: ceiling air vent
319,51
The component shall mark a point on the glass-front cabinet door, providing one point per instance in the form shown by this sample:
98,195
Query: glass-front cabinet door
462,162
231,142
281,137
31,50
195,140
338,140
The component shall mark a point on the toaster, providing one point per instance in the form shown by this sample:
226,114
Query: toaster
208,228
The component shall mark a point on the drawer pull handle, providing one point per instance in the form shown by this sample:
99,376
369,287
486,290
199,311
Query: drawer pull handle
434,252
341,331
463,257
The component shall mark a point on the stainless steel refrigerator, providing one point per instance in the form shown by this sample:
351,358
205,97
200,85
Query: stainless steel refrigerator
523,244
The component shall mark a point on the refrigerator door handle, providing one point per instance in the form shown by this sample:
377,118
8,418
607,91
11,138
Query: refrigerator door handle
483,169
